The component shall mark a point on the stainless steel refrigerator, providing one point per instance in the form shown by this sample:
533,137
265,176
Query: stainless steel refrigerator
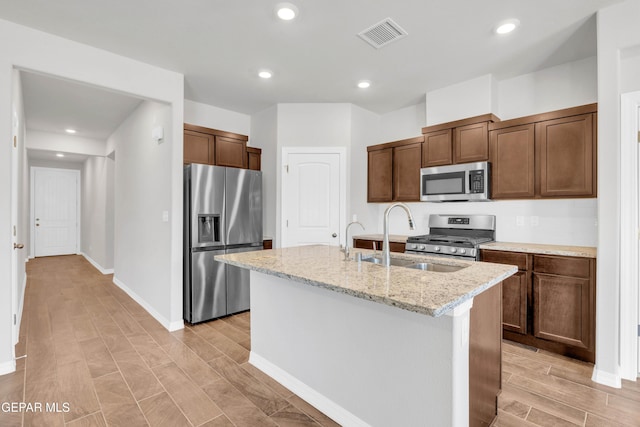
222,214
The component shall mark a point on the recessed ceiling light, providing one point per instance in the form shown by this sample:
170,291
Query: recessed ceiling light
70,130
286,11
363,84
59,155
507,26
265,74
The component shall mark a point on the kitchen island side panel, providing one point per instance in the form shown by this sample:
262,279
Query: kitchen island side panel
361,362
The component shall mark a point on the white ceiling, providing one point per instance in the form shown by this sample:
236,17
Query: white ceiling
220,45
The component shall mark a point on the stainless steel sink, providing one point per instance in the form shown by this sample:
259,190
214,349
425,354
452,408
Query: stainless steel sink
426,266
394,261
440,268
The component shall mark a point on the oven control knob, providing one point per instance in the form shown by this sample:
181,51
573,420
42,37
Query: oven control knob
437,249
463,251
453,250
421,247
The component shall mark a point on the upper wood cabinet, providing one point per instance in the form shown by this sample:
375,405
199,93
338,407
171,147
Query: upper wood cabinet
220,148
394,171
462,141
198,148
437,149
566,153
512,157
550,155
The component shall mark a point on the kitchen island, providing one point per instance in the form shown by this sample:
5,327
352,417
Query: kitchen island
369,345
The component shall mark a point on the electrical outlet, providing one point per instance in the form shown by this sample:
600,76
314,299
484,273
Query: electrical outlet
520,221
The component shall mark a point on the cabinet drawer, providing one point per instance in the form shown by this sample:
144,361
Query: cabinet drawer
501,257
563,266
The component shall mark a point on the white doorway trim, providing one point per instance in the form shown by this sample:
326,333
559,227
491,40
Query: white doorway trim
32,223
342,153
629,237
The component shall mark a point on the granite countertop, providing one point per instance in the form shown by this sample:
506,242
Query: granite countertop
535,248
396,238
424,292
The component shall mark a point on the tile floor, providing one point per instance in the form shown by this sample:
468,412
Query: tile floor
97,358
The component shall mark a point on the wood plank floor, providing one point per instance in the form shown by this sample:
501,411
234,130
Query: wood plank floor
103,360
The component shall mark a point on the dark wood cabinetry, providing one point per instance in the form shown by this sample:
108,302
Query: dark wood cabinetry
462,141
254,158
377,245
550,302
512,157
216,147
566,153
394,171
550,155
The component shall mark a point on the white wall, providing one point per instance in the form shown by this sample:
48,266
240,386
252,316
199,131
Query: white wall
629,70
196,113
65,143
366,128
22,204
98,212
465,99
264,131
25,48
617,30
567,85
401,124
142,177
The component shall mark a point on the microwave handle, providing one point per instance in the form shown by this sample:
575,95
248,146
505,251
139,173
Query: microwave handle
467,187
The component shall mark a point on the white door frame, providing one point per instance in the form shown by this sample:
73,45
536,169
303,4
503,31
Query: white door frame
14,231
629,237
32,223
342,153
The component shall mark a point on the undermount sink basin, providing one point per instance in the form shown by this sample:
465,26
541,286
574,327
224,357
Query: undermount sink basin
426,266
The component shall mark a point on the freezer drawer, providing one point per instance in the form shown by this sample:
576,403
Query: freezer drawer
206,298
238,283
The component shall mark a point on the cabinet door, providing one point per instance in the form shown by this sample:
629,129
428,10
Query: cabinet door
253,159
565,152
406,172
512,156
198,148
561,309
380,175
438,149
230,152
514,302
471,143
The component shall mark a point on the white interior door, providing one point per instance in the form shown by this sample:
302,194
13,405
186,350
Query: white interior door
312,196
55,211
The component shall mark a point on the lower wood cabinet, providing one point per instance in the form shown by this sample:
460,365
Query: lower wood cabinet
550,302
377,245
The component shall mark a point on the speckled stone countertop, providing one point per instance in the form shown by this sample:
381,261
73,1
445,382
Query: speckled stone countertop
534,248
396,238
419,291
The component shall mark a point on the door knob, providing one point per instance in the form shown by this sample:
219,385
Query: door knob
334,235
18,246
37,225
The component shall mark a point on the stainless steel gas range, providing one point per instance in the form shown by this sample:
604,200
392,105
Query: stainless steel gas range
454,236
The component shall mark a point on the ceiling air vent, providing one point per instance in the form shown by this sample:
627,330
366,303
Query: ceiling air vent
382,33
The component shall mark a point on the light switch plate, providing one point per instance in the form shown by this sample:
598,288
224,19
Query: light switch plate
165,216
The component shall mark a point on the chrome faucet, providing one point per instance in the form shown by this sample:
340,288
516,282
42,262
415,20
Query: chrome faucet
386,256
346,239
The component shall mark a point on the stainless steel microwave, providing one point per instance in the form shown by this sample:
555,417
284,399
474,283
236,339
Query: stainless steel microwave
463,182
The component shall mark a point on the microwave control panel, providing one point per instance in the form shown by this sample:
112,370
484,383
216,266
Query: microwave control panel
476,181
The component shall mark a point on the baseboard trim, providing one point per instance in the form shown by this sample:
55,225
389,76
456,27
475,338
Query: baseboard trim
7,367
169,325
606,378
96,265
319,401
